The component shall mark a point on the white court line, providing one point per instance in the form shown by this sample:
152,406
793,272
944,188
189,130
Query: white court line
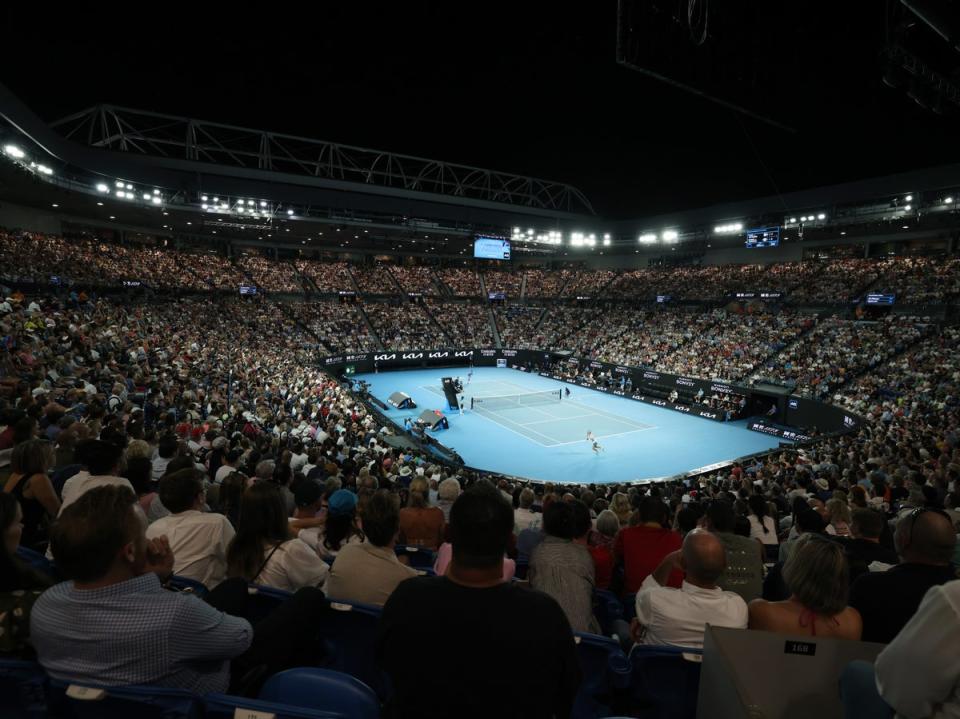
559,419
553,442
603,436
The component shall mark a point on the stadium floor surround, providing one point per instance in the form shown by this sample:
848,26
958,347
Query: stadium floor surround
548,442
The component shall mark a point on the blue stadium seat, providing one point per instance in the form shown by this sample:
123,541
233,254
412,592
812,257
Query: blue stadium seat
224,706
607,609
664,684
605,669
38,561
350,633
67,700
185,584
419,557
22,690
322,689
264,600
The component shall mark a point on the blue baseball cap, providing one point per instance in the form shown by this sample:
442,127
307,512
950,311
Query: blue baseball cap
341,502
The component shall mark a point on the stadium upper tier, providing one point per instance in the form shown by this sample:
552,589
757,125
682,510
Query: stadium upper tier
813,350
32,257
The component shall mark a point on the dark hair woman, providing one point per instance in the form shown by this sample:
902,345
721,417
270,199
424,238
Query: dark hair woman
262,552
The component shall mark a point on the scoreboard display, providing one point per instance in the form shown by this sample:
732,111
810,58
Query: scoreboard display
762,237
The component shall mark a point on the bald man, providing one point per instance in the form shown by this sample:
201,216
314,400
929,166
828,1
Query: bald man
925,541
678,617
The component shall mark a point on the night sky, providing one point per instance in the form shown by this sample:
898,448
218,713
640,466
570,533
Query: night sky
534,90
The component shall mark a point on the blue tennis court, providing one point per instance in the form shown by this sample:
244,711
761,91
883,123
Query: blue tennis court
542,437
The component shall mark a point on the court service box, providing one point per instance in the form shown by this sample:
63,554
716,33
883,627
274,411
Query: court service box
760,675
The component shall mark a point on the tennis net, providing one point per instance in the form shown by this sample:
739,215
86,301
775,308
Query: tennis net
526,399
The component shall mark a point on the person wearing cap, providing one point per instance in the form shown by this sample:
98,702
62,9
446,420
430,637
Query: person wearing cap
340,528
369,572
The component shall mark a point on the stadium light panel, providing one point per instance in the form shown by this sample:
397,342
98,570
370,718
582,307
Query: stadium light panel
102,187
670,235
909,198
821,216
129,186
121,194
250,202
948,200
204,205
793,220
907,207
648,238
156,191
14,152
146,195
262,203
119,184
216,199
204,198
289,212
606,241
156,200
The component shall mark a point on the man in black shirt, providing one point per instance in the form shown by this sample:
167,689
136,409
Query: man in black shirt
469,644
864,547
925,541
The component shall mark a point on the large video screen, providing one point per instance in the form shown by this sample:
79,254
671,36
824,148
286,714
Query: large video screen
491,248
762,237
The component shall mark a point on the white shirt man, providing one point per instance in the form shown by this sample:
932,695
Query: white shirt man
199,543
918,674
678,617
198,540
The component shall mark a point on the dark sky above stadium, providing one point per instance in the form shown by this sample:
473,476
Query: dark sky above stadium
531,88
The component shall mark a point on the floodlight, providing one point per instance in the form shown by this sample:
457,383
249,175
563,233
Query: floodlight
670,235
906,207
648,238
14,151
146,195
156,200
204,198
289,212
101,187
909,198
822,216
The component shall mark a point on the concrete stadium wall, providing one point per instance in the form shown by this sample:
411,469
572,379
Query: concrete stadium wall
14,217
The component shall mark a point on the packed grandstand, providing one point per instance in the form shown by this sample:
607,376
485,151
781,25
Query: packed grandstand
152,351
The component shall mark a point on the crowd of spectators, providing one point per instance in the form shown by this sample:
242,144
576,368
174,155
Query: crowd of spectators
517,326
836,350
510,283
375,279
548,283
736,344
920,280
416,278
328,277
337,326
829,281
460,281
271,275
467,324
144,404
405,326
